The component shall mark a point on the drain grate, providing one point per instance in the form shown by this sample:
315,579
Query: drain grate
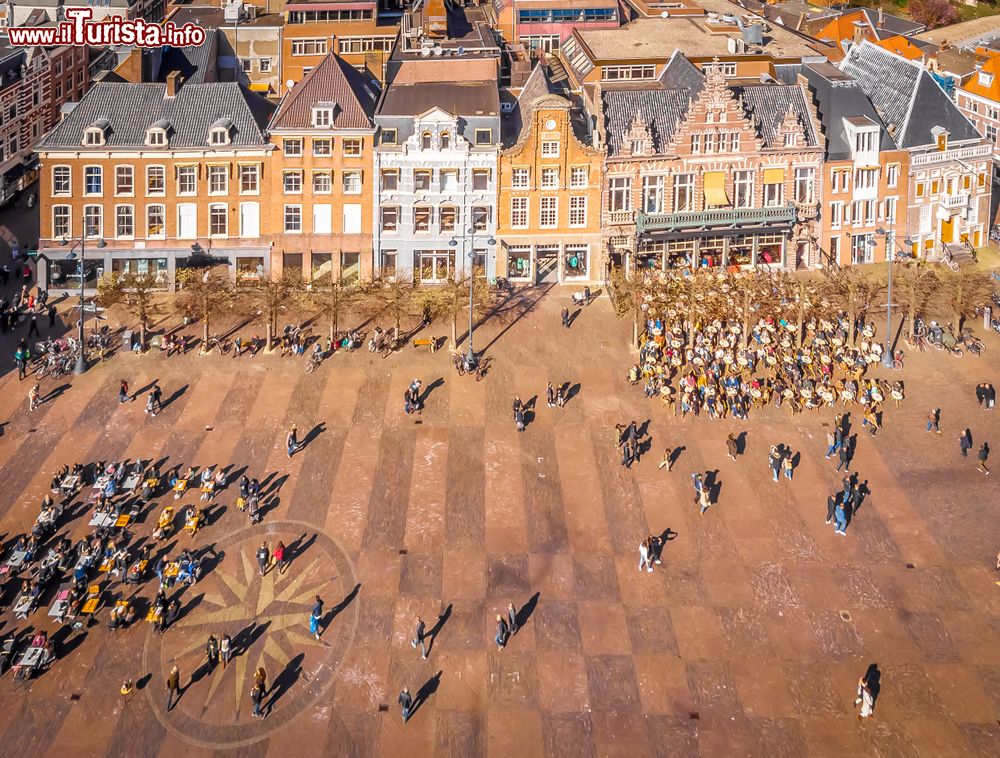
694,716
845,616
383,707
403,551
75,696
910,566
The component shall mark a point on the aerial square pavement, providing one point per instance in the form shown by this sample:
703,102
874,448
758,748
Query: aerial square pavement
748,639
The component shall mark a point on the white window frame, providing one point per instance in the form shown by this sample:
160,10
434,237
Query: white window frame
118,220
519,212
577,211
292,218
214,173
62,181
548,212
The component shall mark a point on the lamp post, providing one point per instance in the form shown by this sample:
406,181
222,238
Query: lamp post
470,358
81,360
890,256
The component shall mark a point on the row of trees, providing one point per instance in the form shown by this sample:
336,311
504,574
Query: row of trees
919,288
208,294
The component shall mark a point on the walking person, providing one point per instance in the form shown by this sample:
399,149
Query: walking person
550,395
704,500
845,456
157,399
123,391
699,485
33,327
34,397
965,443
831,444
668,459
405,701
292,440
732,447
984,454
21,356
150,405
211,652
173,687
503,632
263,558
316,617
512,618
841,517
225,650
788,465
933,420
419,636
565,317
831,508
260,679
868,687
645,562
256,698
279,557
52,316
774,458
560,396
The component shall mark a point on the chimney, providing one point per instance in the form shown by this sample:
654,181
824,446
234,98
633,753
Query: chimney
130,68
881,16
859,32
174,79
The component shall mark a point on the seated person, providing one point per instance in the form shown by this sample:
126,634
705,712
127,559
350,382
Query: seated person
206,476
220,479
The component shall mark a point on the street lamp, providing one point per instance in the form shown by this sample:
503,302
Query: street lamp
890,256
81,360
470,358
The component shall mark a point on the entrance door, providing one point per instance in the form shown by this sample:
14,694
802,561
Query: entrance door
547,265
948,230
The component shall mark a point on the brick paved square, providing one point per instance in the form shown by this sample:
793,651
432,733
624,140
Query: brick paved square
748,638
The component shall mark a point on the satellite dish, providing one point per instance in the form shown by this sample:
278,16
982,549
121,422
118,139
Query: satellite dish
290,83
438,50
460,51
425,52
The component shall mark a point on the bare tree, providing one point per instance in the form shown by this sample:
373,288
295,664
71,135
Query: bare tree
854,289
451,299
917,283
330,296
963,291
205,293
626,295
135,292
272,296
395,297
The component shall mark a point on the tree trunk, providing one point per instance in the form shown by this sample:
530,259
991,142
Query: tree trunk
801,325
270,333
142,336
333,328
454,329
204,342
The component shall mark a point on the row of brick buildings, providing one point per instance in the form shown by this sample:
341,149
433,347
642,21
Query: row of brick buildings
619,149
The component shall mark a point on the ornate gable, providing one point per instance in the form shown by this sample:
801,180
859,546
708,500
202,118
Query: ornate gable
716,122
638,140
791,133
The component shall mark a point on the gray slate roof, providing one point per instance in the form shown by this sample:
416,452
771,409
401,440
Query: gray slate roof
836,100
769,103
680,73
907,98
195,63
662,109
132,108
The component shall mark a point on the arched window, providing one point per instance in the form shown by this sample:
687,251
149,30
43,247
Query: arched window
425,141
445,140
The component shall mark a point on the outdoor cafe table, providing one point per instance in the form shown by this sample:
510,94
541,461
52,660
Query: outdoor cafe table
61,605
15,561
103,518
32,657
69,482
23,607
131,482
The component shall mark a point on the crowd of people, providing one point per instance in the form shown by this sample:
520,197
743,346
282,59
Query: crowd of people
109,567
724,367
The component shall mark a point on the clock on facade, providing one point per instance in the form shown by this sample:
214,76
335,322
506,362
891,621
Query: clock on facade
550,124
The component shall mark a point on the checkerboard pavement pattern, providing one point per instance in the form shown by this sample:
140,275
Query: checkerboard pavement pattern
748,639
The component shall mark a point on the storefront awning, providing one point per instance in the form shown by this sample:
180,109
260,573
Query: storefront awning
774,176
715,189
260,87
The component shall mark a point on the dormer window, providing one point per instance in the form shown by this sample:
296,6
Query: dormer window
985,79
322,117
220,132
940,137
425,141
791,140
156,135
96,133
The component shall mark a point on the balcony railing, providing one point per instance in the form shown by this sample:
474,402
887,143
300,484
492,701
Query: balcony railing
956,201
620,218
718,218
943,156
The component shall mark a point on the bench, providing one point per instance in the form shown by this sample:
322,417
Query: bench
426,341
